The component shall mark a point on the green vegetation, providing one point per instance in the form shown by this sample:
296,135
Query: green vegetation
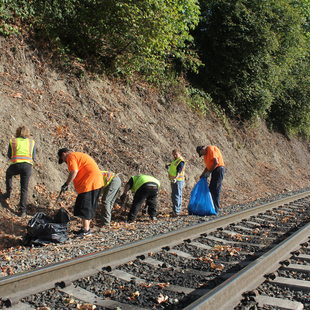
250,58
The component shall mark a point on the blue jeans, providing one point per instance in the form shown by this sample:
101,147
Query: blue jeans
176,196
215,186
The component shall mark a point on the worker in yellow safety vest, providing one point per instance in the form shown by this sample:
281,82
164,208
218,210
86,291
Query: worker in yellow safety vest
111,186
21,153
145,188
176,174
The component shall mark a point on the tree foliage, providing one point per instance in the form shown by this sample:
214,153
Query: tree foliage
123,35
249,48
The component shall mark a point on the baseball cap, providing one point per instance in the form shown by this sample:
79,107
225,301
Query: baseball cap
199,149
60,152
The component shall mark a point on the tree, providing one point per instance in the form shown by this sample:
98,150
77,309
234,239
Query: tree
125,35
249,48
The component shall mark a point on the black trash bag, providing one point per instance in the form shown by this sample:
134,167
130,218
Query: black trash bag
43,229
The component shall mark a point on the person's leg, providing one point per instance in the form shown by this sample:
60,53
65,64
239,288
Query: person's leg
10,172
151,202
174,190
178,196
86,224
138,199
25,174
85,207
109,198
216,186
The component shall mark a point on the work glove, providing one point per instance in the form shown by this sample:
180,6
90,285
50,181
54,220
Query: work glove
64,188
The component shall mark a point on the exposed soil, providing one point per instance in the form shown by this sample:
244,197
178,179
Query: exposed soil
127,129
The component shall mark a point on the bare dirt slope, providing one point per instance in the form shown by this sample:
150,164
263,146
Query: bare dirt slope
128,129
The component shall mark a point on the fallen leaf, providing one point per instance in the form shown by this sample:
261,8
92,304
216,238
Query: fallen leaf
161,298
162,285
217,266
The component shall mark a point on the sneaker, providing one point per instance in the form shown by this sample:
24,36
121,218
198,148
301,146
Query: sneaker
153,218
83,233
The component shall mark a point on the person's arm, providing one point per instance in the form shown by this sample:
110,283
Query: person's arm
71,176
9,151
127,187
34,153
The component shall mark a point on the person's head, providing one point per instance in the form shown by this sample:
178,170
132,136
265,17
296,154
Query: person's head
22,131
62,155
201,150
176,154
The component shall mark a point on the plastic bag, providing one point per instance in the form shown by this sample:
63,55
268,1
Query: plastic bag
43,229
201,202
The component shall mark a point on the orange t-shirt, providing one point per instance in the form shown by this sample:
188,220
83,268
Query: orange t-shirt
213,152
89,176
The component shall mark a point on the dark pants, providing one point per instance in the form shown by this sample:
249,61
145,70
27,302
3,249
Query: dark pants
25,171
215,186
147,192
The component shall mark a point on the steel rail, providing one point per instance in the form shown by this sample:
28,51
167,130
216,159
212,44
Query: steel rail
228,294
23,284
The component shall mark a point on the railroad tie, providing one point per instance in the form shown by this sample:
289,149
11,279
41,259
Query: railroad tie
21,306
264,300
297,267
86,296
157,263
129,277
292,283
302,257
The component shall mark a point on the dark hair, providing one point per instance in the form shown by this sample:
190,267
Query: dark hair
60,152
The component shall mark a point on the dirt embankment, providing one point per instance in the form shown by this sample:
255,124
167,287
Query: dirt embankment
131,129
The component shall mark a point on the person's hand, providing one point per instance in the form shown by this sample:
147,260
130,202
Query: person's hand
64,188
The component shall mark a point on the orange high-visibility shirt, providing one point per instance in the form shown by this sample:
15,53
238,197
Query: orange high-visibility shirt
213,152
89,176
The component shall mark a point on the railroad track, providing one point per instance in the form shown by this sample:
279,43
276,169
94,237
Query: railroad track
206,266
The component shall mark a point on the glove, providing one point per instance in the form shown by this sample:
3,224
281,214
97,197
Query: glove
64,187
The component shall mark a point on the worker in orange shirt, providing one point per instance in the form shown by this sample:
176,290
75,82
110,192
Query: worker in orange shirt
214,166
87,179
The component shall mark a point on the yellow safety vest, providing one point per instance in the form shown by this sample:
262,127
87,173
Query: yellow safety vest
139,180
22,150
172,170
107,177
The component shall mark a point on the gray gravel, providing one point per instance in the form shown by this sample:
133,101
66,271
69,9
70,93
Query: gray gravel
24,258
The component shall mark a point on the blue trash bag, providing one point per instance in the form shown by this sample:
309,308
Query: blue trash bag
201,202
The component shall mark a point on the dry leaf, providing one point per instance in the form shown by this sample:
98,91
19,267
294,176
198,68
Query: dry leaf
85,307
161,298
108,292
162,285
134,295
146,284
217,266
17,95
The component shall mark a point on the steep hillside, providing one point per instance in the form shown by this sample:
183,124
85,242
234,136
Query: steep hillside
130,129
